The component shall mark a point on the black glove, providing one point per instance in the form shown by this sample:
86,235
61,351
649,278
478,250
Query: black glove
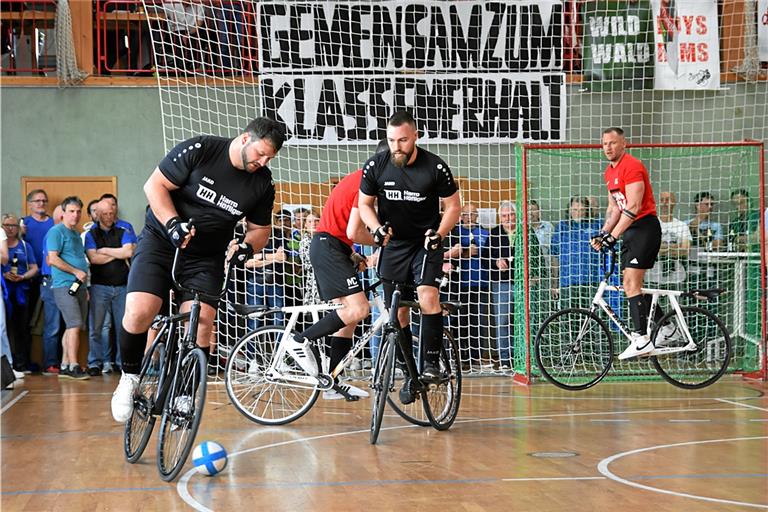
243,253
607,241
598,237
380,234
177,230
433,240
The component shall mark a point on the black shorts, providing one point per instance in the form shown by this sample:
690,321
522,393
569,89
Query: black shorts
640,243
335,274
151,266
407,261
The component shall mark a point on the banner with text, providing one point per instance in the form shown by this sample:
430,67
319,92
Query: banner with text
686,44
617,45
467,107
511,35
762,29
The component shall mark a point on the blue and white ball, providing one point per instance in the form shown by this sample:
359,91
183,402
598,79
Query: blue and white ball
209,458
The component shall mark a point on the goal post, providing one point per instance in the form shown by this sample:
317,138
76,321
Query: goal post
703,185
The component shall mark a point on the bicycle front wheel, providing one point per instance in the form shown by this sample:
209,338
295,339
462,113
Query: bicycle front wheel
263,396
139,426
182,413
574,349
701,359
382,382
443,400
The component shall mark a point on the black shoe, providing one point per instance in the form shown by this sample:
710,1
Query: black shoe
65,373
431,372
77,373
407,396
94,371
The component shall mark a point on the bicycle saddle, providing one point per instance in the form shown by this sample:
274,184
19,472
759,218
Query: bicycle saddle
450,307
709,294
246,310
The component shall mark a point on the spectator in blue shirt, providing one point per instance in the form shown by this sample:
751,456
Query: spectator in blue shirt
69,267
112,200
51,315
109,249
20,270
578,265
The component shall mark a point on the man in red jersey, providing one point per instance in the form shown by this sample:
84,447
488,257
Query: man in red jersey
337,279
631,213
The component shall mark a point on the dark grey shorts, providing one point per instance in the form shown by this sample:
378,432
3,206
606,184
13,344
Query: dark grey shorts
74,308
335,274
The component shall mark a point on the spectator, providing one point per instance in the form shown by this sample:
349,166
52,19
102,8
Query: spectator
185,35
675,244
267,288
473,282
744,223
5,345
120,223
578,266
52,332
503,254
109,248
544,231
310,295
705,232
68,265
18,272
93,215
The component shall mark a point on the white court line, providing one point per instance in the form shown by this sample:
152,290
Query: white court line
741,404
10,404
612,398
759,419
689,421
547,479
609,420
602,467
338,413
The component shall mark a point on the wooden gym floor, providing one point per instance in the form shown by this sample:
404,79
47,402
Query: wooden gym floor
620,446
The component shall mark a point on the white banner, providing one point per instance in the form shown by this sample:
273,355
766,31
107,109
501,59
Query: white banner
506,35
686,41
448,108
762,29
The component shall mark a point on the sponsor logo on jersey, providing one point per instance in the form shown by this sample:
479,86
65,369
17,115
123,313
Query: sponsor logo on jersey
206,194
389,183
393,195
229,205
404,195
351,282
208,180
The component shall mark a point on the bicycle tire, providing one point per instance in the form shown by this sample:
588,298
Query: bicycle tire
415,413
703,366
382,382
139,426
574,364
262,400
179,422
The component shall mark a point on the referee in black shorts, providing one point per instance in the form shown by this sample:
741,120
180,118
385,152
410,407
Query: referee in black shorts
408,183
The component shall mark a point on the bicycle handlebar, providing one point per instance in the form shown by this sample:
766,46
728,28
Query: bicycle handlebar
608,269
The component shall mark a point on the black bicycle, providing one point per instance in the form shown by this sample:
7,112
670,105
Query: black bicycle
172,386
439,399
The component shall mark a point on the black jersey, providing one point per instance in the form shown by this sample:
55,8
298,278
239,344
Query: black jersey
409,197
213,193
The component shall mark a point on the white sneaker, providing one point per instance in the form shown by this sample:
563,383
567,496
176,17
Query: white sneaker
332,394
18,374
301,352
122,398
107,368
667,334
639,346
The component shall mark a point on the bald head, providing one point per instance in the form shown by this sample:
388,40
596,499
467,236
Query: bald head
107,212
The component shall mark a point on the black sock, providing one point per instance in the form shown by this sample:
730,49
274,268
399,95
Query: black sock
431,336
639,312
132,349
339,348
329,324
408,337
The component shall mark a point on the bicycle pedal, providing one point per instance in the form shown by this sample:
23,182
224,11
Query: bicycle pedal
350,398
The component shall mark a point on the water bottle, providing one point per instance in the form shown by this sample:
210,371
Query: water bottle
710,240
74,287
15,265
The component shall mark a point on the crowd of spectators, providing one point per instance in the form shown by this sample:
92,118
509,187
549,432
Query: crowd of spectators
483,266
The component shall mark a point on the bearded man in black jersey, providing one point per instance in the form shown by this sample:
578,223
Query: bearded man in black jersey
408,183
216,182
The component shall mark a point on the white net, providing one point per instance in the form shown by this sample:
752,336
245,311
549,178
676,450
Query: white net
478,77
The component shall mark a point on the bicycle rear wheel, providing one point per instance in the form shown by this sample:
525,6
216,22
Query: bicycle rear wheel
702,366
444,399
182,413
139,426
382,382
574,349
260,396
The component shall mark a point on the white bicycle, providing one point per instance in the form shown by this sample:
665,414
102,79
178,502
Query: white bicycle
574,347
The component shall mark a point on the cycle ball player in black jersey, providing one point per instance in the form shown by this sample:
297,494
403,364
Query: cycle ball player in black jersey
216,182
408,183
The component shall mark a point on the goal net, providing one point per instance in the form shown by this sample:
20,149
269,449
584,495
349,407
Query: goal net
479,77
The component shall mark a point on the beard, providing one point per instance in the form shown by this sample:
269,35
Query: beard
244,159
400,159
